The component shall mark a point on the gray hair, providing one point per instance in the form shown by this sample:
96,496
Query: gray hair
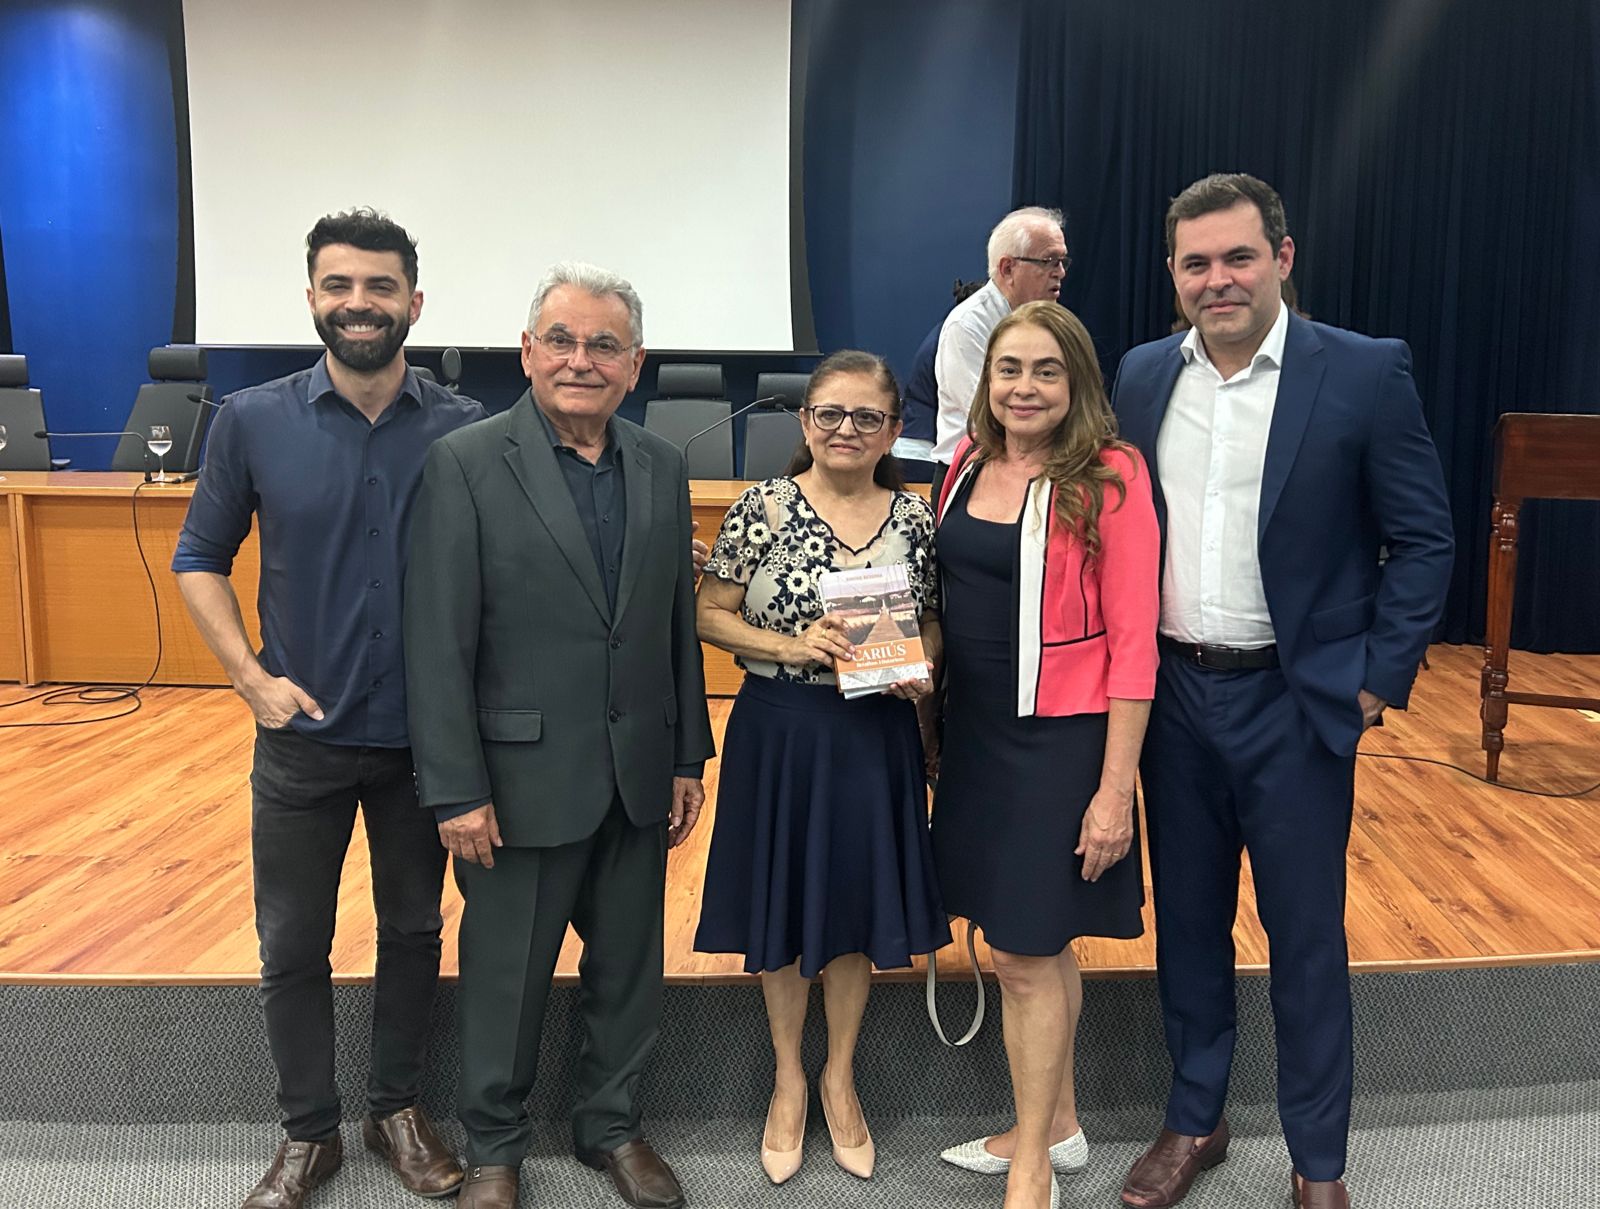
1013,234
591,279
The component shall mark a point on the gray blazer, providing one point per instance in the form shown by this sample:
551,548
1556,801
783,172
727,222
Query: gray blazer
522,685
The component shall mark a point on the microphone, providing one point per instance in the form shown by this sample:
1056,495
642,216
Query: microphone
41,434
770,403
197,398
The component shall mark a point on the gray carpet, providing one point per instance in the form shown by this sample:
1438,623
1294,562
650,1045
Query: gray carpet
1474,1088
184,1054
1512,1147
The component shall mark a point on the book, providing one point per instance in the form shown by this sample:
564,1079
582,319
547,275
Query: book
880,620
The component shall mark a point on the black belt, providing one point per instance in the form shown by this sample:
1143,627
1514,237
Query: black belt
1221,658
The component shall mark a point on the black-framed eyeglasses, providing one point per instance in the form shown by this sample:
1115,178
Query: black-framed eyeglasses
1047,262
866,420
603,350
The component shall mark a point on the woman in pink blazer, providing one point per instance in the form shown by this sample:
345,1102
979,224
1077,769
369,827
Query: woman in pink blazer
1048,552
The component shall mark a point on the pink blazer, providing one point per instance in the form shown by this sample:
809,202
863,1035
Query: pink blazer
1086,630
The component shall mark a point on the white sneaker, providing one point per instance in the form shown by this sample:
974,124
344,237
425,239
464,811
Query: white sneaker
1069,1154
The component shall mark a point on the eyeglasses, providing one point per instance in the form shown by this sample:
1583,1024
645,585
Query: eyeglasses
602,350
1047,262
867,420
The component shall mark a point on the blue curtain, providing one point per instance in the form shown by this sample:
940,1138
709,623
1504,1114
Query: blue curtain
89,198
1440,164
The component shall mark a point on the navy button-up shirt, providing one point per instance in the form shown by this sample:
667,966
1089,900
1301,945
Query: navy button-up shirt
333,494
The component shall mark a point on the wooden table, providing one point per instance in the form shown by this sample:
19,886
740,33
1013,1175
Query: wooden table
85,610
76,605
1536,456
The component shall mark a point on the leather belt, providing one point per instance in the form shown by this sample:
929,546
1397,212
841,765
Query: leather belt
1221,658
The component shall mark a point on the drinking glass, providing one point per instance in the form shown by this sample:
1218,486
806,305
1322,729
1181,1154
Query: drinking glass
160,442
2,446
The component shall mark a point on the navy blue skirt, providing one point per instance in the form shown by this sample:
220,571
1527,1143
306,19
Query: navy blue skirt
820,845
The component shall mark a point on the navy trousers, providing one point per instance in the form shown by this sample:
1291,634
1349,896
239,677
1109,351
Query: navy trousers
1230,762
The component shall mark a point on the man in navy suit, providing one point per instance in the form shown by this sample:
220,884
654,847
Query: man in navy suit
1286,456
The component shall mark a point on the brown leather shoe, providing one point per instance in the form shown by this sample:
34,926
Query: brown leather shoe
296,1170
642,1177
489,1188
406,1138
1317,1194
1163,1173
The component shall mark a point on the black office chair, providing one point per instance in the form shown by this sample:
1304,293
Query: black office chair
423,372
790,389
693,398
179,371
22,412
770,439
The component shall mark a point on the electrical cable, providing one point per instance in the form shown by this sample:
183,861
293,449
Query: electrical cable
1538,793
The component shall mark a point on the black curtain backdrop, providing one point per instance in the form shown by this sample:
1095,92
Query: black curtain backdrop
1439,161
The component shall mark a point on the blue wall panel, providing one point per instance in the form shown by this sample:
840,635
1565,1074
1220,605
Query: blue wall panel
88,201
910,136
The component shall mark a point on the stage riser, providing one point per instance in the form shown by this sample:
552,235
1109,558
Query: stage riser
198,1054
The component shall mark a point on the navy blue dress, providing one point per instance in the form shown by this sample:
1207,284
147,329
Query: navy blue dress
1013,791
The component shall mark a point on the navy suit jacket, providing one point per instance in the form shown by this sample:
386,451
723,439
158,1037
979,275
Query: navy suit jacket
1350,468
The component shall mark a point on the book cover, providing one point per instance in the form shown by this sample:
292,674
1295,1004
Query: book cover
880,620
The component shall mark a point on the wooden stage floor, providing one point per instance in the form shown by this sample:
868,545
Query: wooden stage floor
126,845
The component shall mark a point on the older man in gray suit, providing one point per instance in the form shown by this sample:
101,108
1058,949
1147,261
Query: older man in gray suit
557,707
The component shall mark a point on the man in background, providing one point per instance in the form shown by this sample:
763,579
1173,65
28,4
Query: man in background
1027,262
919,410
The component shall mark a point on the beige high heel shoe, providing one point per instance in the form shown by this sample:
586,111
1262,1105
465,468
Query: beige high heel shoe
857,1160
781,1164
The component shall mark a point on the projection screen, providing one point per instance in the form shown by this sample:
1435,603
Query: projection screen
652,138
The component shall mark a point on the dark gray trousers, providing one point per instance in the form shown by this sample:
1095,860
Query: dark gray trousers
609,886
304,799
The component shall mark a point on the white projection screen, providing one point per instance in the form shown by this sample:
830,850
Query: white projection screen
648,136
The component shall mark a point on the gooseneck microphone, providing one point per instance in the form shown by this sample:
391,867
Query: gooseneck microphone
42,434
770,403
194,398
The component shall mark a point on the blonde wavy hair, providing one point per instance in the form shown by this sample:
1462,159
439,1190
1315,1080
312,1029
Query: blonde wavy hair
1074,464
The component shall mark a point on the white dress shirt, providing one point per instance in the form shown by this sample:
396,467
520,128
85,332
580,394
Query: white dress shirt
1209,454
963,340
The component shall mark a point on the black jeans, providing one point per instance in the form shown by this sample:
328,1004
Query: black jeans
304,798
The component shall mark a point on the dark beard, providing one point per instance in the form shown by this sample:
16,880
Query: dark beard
362,356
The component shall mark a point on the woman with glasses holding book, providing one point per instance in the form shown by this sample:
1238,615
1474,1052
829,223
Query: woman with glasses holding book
1048,553
819,859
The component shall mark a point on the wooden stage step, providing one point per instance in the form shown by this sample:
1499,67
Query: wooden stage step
126,845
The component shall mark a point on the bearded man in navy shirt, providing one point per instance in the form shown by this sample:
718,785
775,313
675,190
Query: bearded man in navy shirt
327,462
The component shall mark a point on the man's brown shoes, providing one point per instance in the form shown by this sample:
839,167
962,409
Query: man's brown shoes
489,1188
1317,1194
406,1138
298,1168
1163,1173
642,1177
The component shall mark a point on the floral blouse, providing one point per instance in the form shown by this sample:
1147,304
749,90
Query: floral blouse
775,544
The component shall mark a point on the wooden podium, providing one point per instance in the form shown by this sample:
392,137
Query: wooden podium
1536,456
